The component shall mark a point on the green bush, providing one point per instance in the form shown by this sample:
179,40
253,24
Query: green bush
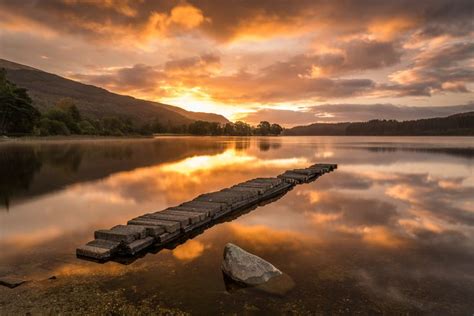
53,127
87,128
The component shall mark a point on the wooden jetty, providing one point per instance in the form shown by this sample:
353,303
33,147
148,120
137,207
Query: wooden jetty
163,227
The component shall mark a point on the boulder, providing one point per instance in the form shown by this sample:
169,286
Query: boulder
246,268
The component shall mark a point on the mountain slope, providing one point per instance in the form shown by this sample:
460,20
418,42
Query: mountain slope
47,89
457,124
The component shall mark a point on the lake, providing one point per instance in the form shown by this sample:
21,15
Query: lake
390,231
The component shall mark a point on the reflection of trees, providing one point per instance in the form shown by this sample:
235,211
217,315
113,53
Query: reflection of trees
18,165
67,158
29,170
454,151
264,145
267,144
242,144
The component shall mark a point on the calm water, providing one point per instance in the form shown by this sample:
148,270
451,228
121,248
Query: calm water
391,230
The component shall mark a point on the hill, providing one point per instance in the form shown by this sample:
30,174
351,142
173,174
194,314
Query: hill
47,89
461,124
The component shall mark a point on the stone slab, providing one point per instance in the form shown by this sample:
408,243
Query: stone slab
243,194
307,172
203,210
94,252
182,220
261,185
168,226
294,176
223,197
138,245
273,181
121,233
163,238
211,206
152,230
252,191
195,217
259,188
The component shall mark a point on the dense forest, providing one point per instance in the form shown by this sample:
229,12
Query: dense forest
458,124
18,117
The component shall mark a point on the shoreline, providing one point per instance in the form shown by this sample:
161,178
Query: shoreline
6,139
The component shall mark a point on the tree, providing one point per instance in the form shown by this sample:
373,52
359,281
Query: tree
87,128
69,106
53,127
263,128
17,114
242,129
276,129
229,129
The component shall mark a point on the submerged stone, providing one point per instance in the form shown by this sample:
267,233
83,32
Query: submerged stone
99,249
11,282
246,268
278,286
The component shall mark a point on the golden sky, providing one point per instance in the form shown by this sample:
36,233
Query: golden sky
292,62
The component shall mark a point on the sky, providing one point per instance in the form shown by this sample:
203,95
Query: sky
290,62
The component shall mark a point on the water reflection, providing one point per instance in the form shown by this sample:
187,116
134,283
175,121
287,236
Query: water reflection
390,230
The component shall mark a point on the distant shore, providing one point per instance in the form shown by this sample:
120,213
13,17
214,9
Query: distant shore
92,137
74,137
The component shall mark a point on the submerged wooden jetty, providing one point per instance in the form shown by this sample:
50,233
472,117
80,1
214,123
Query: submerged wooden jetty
163,227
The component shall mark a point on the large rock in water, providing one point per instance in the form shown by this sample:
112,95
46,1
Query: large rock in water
247,268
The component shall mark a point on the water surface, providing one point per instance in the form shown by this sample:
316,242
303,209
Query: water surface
390,231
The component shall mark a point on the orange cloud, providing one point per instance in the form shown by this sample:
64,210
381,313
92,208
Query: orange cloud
122,6
268,239
190,250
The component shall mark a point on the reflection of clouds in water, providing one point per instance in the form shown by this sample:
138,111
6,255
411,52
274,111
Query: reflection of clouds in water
400,215
189,166
432,221
190,250
177,182
260,237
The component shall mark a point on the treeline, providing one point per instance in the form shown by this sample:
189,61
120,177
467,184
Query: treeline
459,124
234,129
19,117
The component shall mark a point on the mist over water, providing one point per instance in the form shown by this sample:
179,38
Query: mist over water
390,230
